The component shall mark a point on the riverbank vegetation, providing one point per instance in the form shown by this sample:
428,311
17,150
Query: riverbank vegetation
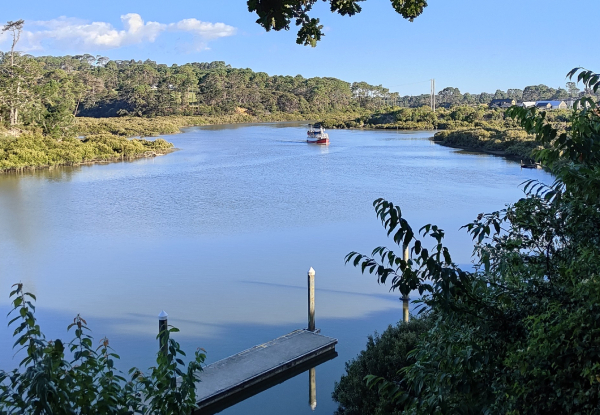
473,128
518,332
153,126
500,135
31,150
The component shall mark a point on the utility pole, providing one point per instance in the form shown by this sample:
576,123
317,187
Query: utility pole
433,95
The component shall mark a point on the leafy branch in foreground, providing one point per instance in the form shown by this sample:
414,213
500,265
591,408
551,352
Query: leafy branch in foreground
520,332
49,382
278,15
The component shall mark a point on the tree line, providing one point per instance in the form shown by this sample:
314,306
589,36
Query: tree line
451,96
49,91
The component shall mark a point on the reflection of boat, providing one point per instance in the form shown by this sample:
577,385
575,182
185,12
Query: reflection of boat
317,135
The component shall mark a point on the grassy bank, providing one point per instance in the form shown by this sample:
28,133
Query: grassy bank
31,150
512,143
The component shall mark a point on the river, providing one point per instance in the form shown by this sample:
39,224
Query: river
221,233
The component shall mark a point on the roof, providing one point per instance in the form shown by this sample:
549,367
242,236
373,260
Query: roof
553,103
499,101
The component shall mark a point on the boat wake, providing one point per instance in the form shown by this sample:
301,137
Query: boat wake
291,141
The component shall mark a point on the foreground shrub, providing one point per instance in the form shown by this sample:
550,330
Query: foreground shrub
75,378
383,356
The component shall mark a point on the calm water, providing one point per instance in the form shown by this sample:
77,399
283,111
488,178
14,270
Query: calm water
221,233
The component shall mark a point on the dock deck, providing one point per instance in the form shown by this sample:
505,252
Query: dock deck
224,380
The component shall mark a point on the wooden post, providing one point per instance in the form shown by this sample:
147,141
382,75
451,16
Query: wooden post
405,298
163,332
312,394
311,299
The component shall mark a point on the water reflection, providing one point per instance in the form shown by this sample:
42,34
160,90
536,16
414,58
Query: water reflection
312,388
252,391
220,234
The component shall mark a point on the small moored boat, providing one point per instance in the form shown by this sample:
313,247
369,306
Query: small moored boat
530,165
317,135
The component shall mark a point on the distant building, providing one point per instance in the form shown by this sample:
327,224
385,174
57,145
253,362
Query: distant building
502,103
554,105
527,104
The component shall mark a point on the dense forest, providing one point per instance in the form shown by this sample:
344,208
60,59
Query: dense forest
51,89
48,91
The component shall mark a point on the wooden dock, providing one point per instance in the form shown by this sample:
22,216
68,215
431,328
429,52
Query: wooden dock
240,376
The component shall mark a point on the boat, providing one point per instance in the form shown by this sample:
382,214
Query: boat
530,165
317,135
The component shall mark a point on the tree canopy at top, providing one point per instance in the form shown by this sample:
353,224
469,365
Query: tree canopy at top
278,14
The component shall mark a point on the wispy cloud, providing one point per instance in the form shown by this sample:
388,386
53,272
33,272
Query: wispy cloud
203,31
71,33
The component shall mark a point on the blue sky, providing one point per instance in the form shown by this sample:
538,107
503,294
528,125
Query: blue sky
474,45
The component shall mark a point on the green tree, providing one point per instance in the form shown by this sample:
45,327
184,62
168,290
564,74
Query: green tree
17,75
538,93
500,94
572,89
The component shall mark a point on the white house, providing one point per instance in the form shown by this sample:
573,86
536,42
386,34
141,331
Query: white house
527,104
555,105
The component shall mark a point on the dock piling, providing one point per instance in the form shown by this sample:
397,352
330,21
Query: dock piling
311,299
163,332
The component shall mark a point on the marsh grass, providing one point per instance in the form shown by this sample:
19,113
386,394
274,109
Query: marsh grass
31,150
513,142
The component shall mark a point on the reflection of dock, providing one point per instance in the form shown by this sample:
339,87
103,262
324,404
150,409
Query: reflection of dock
237,377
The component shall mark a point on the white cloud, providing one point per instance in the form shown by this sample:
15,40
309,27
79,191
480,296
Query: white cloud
204,30
72,33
